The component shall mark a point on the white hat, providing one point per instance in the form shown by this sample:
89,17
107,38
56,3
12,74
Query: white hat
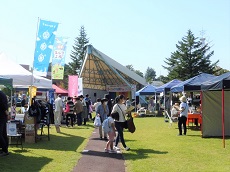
183,99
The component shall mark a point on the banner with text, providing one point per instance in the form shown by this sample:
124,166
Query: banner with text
44,46
80,87
118,88
58,57
73,85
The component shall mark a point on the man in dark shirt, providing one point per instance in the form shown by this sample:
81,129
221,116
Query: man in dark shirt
3,121
23,102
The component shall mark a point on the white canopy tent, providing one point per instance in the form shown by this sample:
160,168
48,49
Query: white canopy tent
22,78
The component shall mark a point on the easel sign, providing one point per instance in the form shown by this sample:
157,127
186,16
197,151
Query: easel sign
11,129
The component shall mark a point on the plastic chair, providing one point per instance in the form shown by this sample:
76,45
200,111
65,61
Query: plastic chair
14,131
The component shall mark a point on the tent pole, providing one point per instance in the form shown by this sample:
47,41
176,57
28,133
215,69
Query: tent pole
223,129
201,108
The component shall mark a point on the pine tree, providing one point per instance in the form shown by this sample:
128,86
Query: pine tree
77,56
190,59
78,53
150,75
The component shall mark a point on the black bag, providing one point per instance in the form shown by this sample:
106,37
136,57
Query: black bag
130,125
33,111
115,115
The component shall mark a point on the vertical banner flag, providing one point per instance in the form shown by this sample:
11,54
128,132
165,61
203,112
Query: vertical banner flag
44,46
80,87
51,96
73,85
32,92
58,59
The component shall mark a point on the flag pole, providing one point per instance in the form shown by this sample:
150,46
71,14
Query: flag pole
32,78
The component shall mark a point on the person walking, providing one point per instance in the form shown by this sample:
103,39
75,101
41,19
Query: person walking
70,114
183,116
85,110
78,108
110,104
58,112
111,133
96,104
3,121
120,124
103,113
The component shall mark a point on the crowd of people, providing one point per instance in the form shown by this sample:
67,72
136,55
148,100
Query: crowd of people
77,110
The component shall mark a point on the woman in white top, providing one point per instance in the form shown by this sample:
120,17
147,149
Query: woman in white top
120,124
183,115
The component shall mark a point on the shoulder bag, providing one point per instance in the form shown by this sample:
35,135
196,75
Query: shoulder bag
128,124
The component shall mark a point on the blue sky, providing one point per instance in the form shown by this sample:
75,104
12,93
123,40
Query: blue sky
142,33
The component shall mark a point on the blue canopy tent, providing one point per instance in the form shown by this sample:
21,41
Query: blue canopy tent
147,90
166,87
215,107
192,84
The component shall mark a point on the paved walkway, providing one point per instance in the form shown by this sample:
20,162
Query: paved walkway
94,159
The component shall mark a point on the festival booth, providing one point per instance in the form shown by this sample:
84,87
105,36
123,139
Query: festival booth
22,80
165,89
215,106
148,90
191,85
59,90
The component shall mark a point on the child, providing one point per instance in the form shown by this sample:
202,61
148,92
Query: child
111,132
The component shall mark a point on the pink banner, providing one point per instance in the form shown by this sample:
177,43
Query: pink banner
73,85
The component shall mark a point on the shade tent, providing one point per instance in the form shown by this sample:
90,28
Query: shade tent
147,90
59,90
215,106
22,78
192,84
217,83
166,87
7,82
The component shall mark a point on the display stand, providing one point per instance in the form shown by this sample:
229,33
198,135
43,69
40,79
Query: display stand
29,128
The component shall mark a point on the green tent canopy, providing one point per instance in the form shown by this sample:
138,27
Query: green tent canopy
7,82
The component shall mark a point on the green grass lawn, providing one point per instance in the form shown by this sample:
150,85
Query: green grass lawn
61,153
155,146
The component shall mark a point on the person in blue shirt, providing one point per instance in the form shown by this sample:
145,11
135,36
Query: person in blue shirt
103,113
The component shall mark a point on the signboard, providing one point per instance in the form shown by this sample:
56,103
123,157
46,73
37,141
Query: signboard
29,128
118,88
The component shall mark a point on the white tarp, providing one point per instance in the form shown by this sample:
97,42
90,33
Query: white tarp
22,78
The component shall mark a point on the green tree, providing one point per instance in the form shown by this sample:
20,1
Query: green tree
78,53
190,59
150,75
219,71
163,79
77,56
138,72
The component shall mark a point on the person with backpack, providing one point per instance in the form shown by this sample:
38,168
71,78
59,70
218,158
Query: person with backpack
109,127
103,113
